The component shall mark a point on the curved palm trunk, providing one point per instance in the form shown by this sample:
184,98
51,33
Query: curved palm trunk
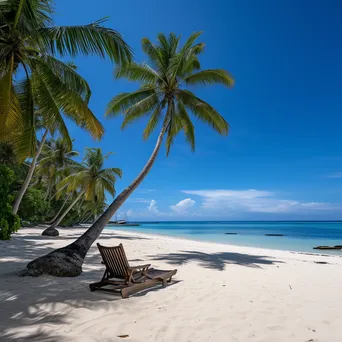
59,220
67,261
29,175
59,211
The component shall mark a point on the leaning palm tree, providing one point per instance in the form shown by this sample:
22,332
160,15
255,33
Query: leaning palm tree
91,180
29,45
164,97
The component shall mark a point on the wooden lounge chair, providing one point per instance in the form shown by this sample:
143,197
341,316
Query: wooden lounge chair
125,278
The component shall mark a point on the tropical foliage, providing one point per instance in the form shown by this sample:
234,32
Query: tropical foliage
9,223
29,45
89,181
38,89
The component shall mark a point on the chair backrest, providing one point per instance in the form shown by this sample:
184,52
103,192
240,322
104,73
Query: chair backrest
115,260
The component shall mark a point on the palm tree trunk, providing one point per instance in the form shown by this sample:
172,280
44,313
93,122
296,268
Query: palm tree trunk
67,261
59,211
59,220
29,175
48,190
18,13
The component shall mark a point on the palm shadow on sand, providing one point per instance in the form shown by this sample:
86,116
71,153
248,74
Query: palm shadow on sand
217,261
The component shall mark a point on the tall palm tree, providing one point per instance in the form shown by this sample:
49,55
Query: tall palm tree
91,180
164,97
28,46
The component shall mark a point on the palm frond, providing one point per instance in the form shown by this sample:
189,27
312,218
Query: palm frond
178,60
174,126
113,171
155,55
138,72
139,109
211,76
92,39
153,121
203,110
123,101
67,74
68,101
187,125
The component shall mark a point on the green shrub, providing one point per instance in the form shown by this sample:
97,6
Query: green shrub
34,208
9,223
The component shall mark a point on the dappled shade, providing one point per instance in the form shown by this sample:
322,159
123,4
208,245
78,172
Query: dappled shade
217,261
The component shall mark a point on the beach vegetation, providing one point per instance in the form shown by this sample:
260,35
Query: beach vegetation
36,83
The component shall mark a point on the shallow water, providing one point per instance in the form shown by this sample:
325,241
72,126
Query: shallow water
298,236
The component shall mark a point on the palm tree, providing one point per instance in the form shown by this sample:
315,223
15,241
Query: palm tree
164,97
92,210
91,180
28,46
56,162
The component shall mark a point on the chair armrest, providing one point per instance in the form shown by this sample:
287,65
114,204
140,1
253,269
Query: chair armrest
139,267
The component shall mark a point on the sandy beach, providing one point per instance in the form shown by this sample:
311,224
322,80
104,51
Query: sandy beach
221,293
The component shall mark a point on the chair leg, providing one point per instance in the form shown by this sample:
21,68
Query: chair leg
97,285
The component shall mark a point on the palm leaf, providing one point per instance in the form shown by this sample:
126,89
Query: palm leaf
155,54
153,121
123,101
187,125
138,72
111,171
67,74
203,110
210,76
87,40
139,109
69,102
174,126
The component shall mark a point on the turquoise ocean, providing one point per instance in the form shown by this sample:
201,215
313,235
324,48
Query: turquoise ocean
299,236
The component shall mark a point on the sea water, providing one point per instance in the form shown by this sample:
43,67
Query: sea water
297,236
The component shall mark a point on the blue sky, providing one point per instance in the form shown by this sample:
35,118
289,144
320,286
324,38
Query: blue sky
282,158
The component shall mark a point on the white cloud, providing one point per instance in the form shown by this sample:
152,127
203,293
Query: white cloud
183,206
153,207
251,200
335,175
129,212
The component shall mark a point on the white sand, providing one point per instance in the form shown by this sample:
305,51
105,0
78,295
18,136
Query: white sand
225,293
